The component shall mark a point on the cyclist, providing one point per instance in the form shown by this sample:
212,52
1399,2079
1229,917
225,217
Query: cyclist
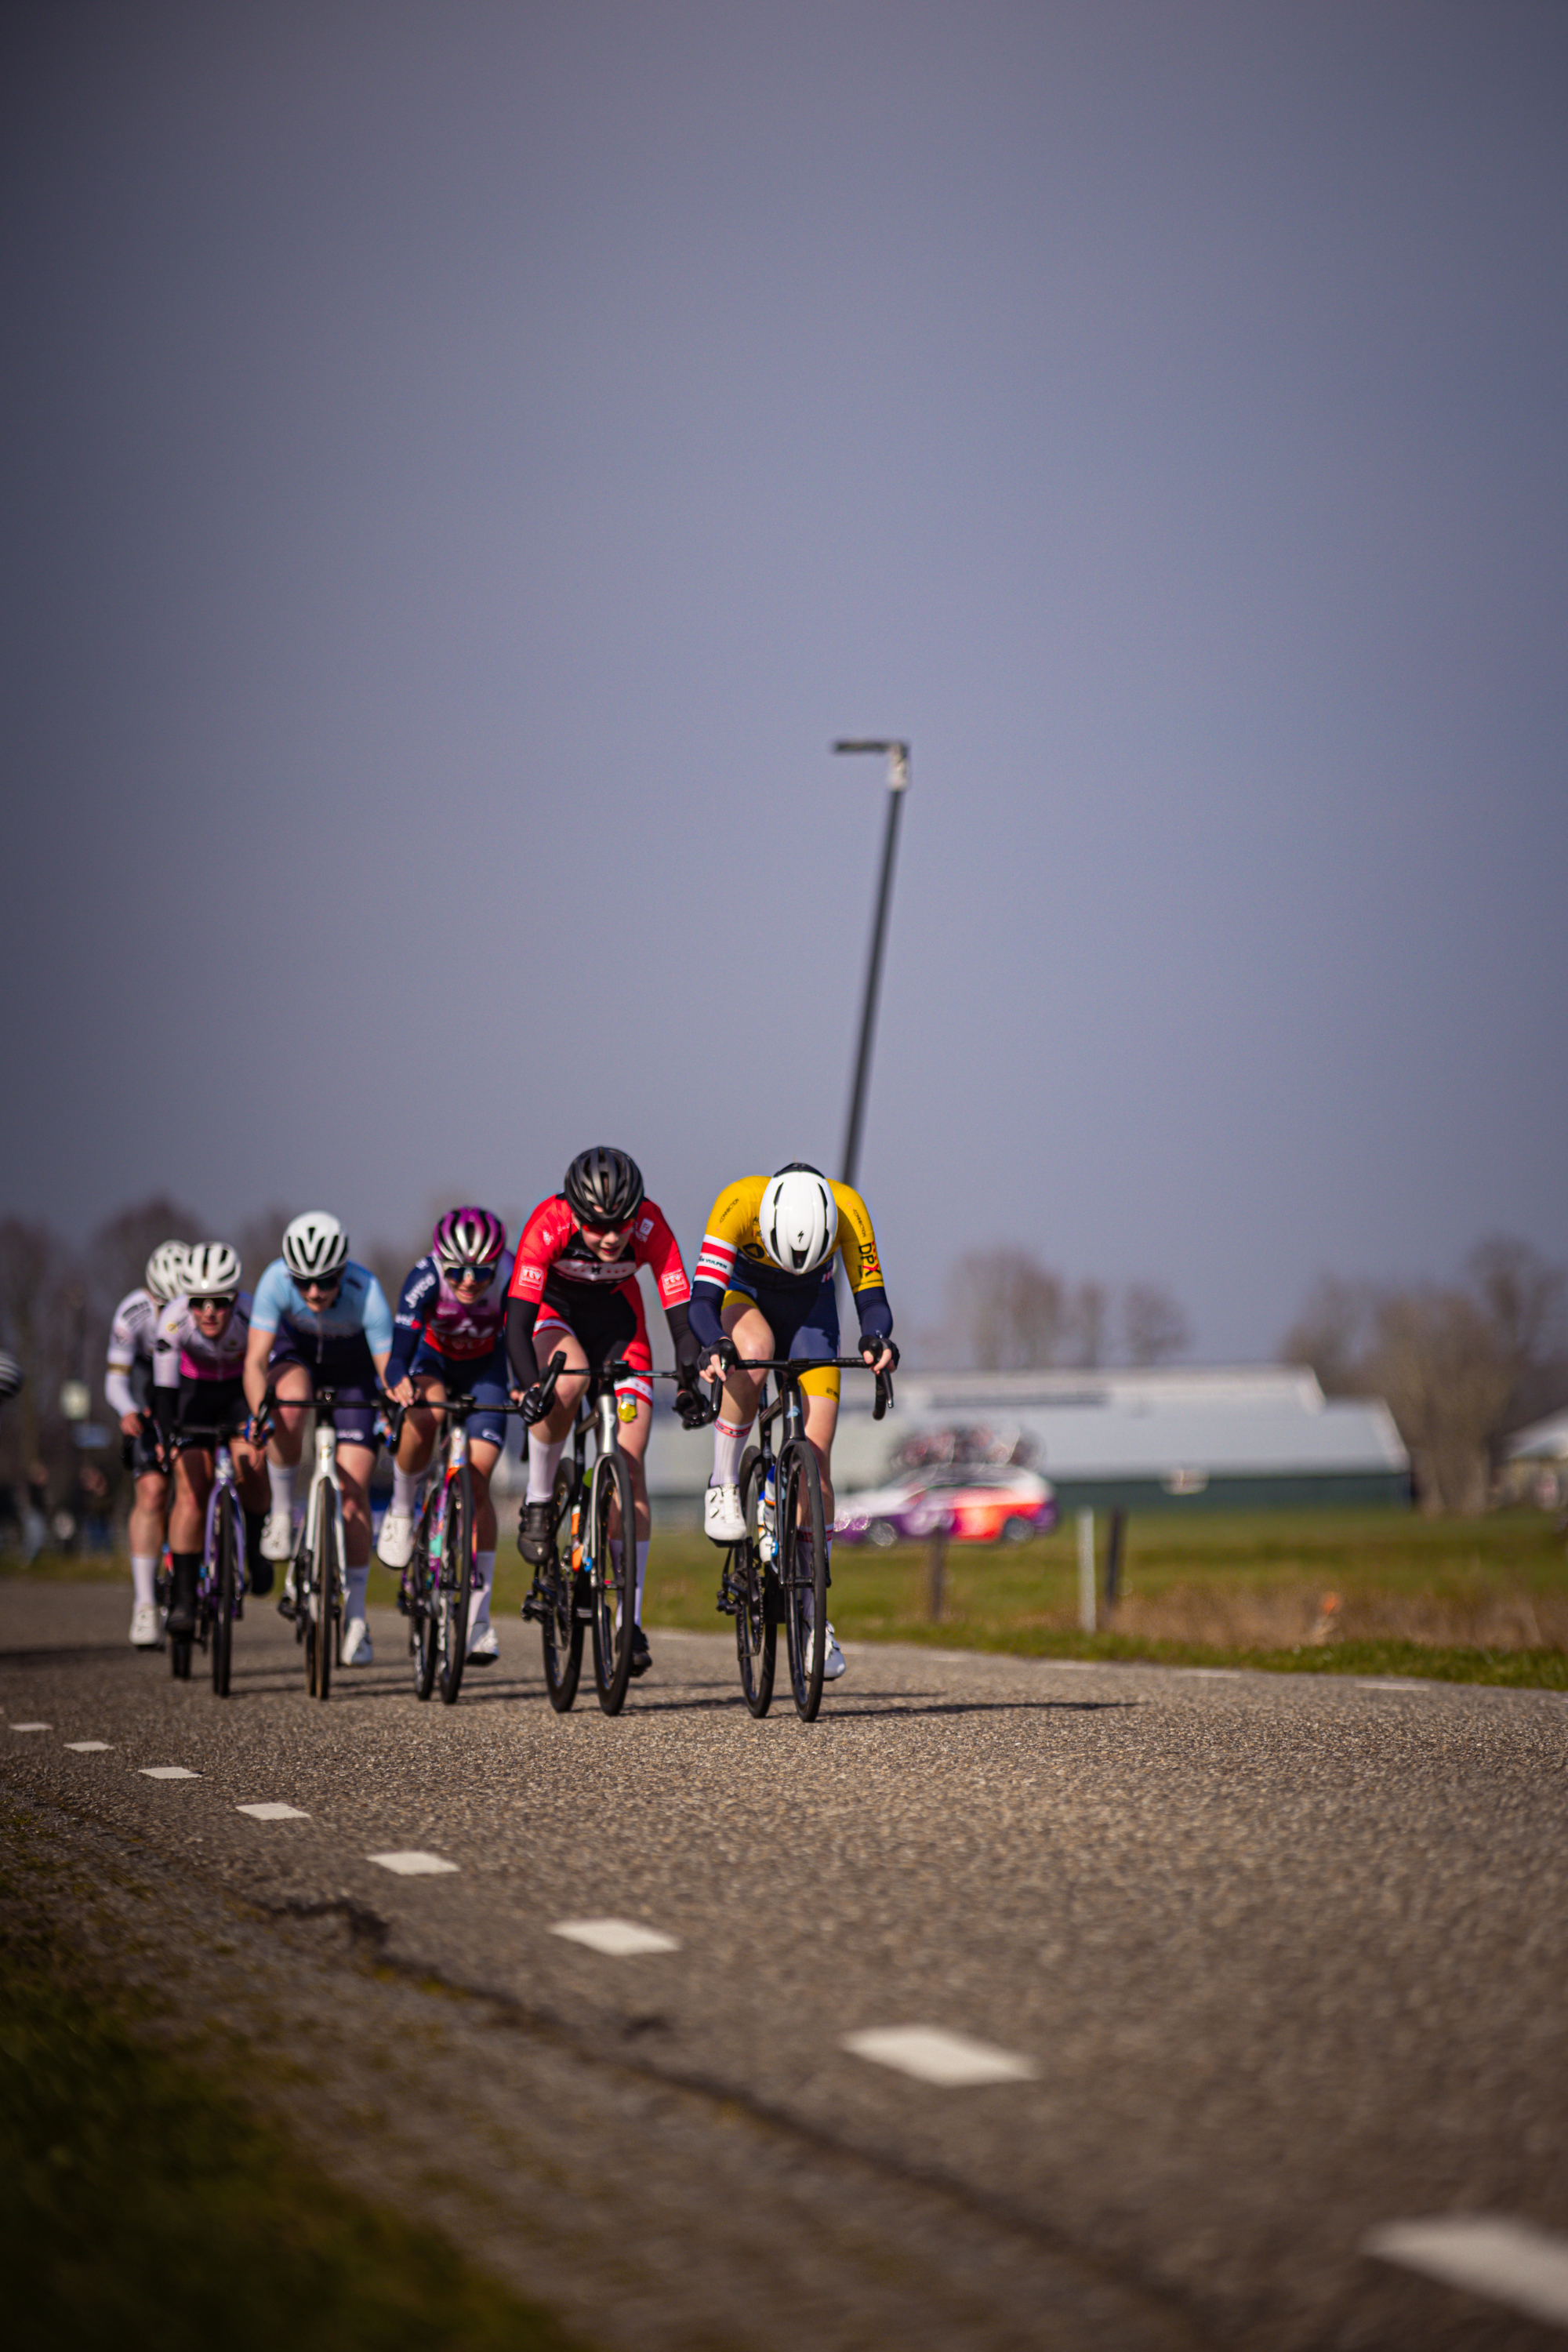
127,1386
449,1332
198,1355
317,1316
575,1293
763,1288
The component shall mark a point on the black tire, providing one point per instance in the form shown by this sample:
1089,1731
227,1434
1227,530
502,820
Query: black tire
225,1575
1016,1531
328,1596
883,1533
756,1627
614,1588
456,1583
562,1627
422,1631
180,1656
800,1499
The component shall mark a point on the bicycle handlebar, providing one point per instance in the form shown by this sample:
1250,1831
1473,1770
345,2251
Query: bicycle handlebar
796,1365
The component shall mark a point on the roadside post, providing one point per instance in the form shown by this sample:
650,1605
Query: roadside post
1086,1571
1114,1544
937,1557
897,755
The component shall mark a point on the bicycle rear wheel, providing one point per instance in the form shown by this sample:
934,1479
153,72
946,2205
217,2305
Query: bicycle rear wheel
221,1597
421,1642
804,1578
756,1632
615,1581
562,1627
456,1582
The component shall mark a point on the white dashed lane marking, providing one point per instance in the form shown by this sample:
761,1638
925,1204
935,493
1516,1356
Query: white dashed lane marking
931,2054
90,1747
168,1772
272,1811
1508,2261
32,1726
621,1939
413,1865
1401,1687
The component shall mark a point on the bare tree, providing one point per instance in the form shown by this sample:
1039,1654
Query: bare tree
1089,1324
1007,1310
118,1252
40,1308
1333,1334
1153,1324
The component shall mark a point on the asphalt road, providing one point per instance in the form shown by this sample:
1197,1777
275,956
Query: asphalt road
1261,1964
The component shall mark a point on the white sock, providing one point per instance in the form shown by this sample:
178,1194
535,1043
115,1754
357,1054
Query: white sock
544,1458
144,1577
282,1484
357,1581
729,1445
642,1572
479,1601
405,1490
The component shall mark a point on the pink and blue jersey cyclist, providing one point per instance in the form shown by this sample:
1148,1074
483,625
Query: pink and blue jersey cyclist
449,1336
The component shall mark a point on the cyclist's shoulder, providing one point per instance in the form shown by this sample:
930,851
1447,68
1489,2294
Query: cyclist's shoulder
851,1203
137,1311
737,1206
273,1292
550,1226
422,1281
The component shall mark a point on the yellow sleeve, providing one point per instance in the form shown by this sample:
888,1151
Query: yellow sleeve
733,1216
857,1241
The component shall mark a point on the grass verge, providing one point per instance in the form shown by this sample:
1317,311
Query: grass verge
144,2204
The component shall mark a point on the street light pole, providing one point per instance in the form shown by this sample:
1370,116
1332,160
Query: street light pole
898,784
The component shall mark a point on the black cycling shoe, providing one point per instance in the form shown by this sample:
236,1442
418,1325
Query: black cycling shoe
642,1658
536,1535
537,1605
259,1572
285,1604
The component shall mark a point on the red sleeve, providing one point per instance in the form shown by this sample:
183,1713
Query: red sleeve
543,1238
658,1247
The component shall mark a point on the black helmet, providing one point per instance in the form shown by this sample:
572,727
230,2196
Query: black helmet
604,1187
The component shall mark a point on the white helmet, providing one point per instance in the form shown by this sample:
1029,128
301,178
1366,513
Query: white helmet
314,1246
211,1271
167,1270
798,1218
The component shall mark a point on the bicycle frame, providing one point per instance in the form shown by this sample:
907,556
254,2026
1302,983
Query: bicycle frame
225,1482
326,1495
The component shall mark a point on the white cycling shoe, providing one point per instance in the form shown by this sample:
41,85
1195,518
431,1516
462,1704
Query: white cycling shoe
146,1633
834,1662
394,1546
723,1521
357,1650
277,1536
485,1648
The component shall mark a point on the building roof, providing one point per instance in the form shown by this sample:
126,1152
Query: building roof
1544,1440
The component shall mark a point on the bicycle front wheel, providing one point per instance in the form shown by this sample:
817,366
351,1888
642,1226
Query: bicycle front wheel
802,1566
456,1582
225,1582
756,1631
562,1627
422,1635
326,1599
614,1580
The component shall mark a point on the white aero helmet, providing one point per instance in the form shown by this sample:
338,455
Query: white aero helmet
211,1271
167,1270
798,1219
314,1246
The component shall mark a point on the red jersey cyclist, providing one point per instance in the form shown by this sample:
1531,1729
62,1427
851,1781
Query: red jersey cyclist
575,1293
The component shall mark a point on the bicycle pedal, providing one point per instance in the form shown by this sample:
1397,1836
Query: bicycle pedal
285,1607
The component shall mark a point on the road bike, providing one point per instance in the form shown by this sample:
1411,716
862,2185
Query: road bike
778,1573
595,1582
436,1594
221,1584
314,1591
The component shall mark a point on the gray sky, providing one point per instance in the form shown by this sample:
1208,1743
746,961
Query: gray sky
465,464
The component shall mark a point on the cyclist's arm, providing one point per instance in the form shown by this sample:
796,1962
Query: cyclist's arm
521,1314
375,1320
408,1324
858,1242
117,1385
657,1249
726,1222
257,1348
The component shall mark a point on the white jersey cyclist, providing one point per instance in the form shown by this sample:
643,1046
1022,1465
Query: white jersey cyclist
127,1381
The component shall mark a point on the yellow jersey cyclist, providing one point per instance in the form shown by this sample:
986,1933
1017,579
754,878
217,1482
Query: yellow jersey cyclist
763,1288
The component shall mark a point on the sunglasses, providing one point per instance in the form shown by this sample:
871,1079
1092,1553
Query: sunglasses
330,1284
607,1233
456,1273
214,1305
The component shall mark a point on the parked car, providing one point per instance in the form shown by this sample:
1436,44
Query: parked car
977,1503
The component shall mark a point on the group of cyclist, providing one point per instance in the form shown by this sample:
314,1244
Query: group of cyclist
191,1352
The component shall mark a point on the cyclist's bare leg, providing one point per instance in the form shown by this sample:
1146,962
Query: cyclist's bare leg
555,1340
752,1332
249,1473
147,1513
192,1484
293,1389
355,1463
417,1441
482,1460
